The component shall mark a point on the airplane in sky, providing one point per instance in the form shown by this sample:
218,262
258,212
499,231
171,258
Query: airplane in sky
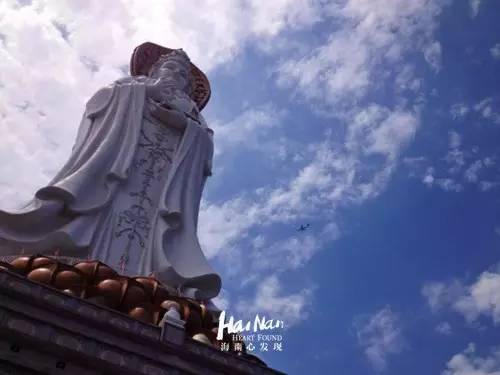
303,227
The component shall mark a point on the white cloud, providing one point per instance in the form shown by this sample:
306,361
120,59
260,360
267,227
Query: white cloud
378,130
413,160
272,17
488,185
428,178
249,129
481,298
455,156
450,177
459,110
407,80
432,54
440,295
220,226
489,161
293,252
444,328
371,41
448,184
380,337
495,51
469,363
486,108
455,140
471,173
474,7
270,301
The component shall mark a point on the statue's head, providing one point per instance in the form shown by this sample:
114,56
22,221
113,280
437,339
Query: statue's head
148,58
174,65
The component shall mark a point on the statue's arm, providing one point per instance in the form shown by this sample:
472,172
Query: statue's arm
210,153
102,98
207,168
99,101
170,117
97,105
154,87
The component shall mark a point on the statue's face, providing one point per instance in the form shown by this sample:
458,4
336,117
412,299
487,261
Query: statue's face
176,67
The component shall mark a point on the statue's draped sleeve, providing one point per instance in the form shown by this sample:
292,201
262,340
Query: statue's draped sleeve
100,159
182,256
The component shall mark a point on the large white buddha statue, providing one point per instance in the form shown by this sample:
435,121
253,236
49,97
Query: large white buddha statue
129,194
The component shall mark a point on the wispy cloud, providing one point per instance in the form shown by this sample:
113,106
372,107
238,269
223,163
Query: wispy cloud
469,363
293,252
444,328
459,166
487,110
474,7
432,54
440,295
270,300
459,110
380,335
371,41
471,173
249,130
481,298
495,51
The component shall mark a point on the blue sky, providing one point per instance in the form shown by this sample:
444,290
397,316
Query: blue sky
374,121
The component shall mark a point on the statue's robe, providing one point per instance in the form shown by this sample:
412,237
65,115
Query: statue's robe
63,214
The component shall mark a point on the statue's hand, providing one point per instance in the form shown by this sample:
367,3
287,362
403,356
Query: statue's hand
170,117
155,89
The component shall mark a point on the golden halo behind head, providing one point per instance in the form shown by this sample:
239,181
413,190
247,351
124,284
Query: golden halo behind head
146,54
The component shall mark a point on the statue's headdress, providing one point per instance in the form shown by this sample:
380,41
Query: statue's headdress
144,57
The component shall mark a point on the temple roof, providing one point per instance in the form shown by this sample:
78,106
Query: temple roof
143,299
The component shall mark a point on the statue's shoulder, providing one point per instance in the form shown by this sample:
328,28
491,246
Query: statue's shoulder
204,125
99,100
130,79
